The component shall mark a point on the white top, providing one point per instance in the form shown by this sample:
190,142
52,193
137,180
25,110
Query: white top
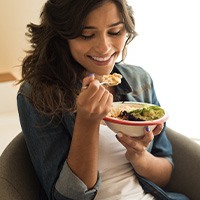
118,179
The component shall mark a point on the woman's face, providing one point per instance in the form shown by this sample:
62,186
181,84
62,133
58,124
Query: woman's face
102,40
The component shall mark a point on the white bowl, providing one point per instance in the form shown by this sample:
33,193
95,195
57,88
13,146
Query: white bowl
132,128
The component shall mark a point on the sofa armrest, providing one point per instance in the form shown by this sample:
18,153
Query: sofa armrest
186,174
18,180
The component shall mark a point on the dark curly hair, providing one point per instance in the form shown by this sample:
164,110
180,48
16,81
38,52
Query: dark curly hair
49,67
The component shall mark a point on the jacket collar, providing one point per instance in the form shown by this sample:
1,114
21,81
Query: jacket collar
123,88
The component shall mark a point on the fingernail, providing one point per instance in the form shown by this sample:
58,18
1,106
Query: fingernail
92,74
147,129
119,135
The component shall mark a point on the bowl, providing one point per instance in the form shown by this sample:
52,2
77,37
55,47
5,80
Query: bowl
133,128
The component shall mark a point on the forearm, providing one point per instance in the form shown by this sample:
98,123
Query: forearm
93,104
83,154
156,169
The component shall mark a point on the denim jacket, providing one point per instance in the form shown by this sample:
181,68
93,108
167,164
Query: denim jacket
48,140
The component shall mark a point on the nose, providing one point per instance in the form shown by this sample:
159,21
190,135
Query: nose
103,44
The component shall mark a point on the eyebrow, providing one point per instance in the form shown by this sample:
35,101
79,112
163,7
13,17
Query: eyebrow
112,25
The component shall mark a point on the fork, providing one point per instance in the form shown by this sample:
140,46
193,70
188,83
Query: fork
102,83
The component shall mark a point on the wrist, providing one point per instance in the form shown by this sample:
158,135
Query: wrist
87,119
140,161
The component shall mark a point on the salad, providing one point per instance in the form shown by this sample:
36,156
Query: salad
137,112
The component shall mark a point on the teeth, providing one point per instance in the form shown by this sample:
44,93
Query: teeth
101,59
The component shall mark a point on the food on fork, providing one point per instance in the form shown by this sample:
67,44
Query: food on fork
112,79
109,80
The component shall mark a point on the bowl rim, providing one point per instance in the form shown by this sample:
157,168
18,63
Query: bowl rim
136,123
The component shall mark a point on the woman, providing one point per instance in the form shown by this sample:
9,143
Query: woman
61,106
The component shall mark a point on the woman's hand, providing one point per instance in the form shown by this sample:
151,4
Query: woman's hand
137,146
93,102
154,168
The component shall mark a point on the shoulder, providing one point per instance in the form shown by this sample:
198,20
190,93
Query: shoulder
128,69
25,89
133,72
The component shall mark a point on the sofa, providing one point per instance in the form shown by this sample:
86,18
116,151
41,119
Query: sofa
18,180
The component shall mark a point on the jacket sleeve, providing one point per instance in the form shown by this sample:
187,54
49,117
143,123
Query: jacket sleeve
161,145
48,141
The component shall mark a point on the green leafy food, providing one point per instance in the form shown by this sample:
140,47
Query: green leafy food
147,113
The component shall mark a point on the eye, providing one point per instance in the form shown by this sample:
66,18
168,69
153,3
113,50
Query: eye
87,37
115,33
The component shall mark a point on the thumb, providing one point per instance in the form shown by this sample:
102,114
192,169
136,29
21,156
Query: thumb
87,80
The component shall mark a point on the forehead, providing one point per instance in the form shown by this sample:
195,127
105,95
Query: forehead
107,13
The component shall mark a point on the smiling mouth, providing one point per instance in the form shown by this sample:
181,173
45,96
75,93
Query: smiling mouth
101,59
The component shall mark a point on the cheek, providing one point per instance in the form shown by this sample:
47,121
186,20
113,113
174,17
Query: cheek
121,42
78,54
76,48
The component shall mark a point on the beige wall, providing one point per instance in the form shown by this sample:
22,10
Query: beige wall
14,16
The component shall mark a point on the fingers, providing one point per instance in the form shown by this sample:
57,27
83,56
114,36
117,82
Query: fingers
131,144
101,102
139,144
87,80
136,144
158,129
106,98
148,137
94,99
91,86
94,91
